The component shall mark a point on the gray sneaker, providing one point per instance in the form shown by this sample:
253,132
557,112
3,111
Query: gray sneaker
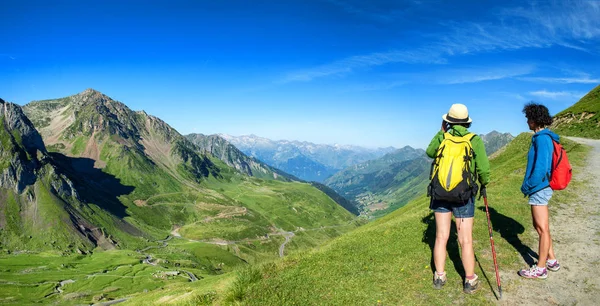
471,285
555,267
439,280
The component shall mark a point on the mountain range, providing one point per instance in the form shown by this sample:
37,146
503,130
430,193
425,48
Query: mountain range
305,160
84,174
98,174
228,153
383,185
387,261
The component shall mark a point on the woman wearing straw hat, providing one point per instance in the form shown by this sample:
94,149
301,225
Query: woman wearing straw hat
456,122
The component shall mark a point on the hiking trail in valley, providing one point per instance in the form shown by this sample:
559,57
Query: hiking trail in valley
575,230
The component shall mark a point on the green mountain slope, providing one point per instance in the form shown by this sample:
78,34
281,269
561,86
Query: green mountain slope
174,184
387,261
383,185
582,119
42,206
230,155
123,181
220,148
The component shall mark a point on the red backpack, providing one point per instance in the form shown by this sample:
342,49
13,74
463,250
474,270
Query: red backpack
561,169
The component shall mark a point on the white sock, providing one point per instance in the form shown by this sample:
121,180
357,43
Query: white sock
551,261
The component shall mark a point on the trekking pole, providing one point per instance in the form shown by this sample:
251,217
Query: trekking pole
487,212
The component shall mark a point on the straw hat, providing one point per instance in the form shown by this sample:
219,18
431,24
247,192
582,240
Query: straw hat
458,113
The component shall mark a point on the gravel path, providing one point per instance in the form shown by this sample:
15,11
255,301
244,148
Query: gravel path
575,229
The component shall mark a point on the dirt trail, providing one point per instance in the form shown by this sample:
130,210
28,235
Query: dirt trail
575,230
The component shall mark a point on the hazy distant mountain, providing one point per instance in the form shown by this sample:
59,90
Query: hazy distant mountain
229,154
382,185
389,181
305,160
494,140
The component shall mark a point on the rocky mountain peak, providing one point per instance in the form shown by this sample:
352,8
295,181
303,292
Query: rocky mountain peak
16,124
21,147
99,100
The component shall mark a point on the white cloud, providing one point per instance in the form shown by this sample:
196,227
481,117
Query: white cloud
514,96
573,24
350,64
563,80
479,75
449,77
557,95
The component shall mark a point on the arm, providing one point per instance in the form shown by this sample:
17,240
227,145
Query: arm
481,161
543,161
435,144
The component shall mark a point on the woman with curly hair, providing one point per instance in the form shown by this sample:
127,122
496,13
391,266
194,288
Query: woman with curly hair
536,185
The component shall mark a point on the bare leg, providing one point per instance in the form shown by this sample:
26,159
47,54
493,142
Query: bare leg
465,238
442,232
540,217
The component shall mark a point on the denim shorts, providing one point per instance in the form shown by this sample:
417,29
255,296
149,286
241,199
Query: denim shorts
462,211
541,197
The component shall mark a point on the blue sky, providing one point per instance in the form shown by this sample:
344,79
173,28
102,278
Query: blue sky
371,73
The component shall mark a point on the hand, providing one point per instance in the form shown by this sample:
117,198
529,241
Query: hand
483,192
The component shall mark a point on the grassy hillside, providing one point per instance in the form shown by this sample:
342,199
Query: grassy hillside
42,207
384,184
582,119
388,261
167,181
114,185
230,155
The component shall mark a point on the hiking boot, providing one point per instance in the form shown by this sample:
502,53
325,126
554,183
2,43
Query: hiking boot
471,285
555,267
534,272
439,280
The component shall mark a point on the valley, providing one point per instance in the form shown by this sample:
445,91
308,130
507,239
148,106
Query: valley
108,205
120,182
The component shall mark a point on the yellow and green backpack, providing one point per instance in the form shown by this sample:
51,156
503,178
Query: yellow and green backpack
451,177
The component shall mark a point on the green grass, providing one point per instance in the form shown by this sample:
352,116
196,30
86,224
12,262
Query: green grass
288,206
28,278
31,278
571,122
228,229
79,145
388,261
589,104
8,148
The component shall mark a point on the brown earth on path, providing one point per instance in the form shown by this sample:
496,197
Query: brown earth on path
575,230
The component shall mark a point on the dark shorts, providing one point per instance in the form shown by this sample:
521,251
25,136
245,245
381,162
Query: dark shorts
462,211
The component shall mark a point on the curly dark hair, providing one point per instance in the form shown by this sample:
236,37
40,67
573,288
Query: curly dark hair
538,113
